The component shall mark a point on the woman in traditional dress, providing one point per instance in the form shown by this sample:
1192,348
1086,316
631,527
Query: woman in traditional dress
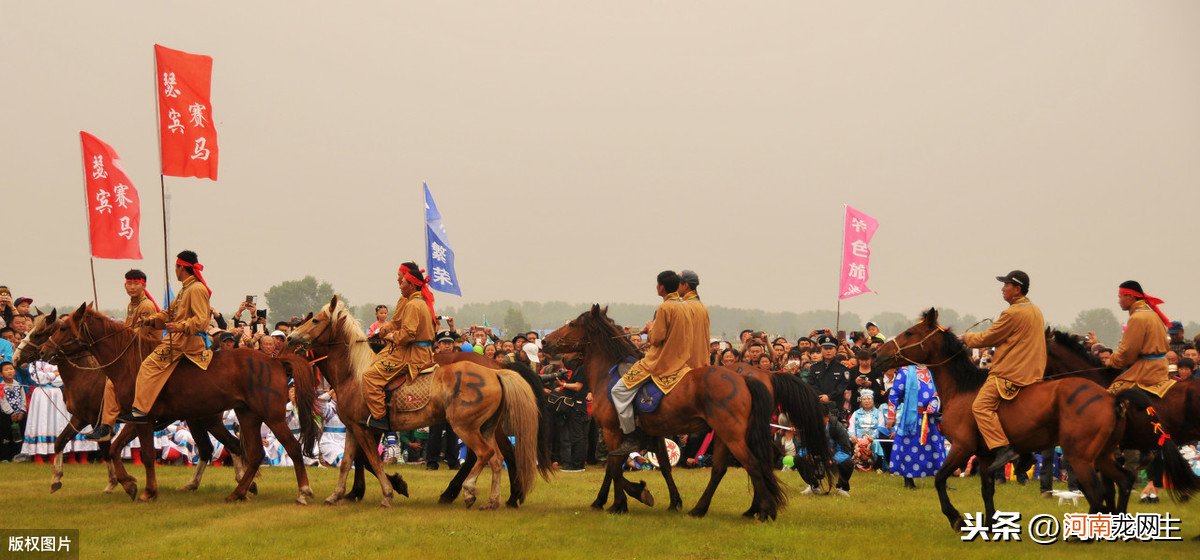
48,417
919,447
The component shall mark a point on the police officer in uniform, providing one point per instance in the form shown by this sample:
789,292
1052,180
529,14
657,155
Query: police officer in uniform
830,378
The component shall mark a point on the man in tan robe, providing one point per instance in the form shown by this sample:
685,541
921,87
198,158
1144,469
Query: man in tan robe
186,323
1019,335
1144,345
141,307
697,319
410,344
669,345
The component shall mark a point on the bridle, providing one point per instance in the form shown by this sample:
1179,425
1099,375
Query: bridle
85,347
921,344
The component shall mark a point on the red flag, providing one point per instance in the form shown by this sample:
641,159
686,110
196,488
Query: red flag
187,133
114,208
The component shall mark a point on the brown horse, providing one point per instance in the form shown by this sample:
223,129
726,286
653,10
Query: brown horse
332,350
83,392
1075,413
251,383
1066,357
476,400
738,408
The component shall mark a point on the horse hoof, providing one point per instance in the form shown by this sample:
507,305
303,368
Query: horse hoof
444,499
55,487
333,500
618,510
146,498
646,498
301,500
131,489
235,497
491,505
306,492
676,505
253,488
385,504
957,524
750,513
512,504
469,501
188,488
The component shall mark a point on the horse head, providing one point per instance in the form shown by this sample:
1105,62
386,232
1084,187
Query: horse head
30,348
317,327
918,344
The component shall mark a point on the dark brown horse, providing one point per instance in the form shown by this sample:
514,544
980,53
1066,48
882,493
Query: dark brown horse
738,408
251,383
333,350
1075,413
83,393
1066,357
480,402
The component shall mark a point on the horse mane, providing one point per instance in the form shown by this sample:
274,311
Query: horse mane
1070,343
115,325
964,371
360,352
609,336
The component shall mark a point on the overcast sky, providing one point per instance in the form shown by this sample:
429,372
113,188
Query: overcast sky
578,148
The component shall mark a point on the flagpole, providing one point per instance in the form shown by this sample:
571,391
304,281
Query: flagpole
841,264
87,219
162,190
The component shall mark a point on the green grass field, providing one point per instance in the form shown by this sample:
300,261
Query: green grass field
881,519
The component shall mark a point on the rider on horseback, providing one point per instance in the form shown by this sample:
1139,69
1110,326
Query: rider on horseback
1019,335
141,306
697,318
186,323
410,343
1143,345
666,360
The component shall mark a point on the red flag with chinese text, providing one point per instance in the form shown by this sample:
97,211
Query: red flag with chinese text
186,131
114,208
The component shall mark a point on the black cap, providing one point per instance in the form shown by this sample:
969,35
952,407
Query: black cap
1015,277
445,335
826,340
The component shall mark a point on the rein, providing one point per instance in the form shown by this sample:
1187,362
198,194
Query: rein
921,344
87,348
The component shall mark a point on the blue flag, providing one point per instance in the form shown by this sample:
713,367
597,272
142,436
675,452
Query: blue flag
438,254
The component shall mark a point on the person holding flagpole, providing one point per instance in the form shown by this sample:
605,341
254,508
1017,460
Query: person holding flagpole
186,323
141,307
409,349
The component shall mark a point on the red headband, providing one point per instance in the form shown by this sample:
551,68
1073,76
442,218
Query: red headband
1152,301
425,291
145,291
197,268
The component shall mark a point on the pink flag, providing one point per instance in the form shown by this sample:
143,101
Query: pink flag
856,253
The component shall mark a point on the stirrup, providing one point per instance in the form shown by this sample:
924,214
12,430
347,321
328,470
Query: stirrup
132,418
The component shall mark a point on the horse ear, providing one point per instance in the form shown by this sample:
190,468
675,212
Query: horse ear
307,318
596,309
332,304
931,317
78,314
53,315
38,309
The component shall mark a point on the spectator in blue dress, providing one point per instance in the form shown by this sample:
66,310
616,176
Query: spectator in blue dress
919,447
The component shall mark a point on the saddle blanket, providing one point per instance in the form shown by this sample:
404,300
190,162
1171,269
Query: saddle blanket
414,394
649,396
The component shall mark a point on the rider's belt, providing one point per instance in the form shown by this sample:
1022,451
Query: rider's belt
1152,356
422,343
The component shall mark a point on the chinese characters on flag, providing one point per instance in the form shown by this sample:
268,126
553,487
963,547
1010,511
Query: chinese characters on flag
114,209
187,132
856,253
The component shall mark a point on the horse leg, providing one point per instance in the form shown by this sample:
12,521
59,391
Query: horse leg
204,449
235,448
720,464
252,449
1085,474
455,487
479,444
349,451
146,436
283,434
664,464
956,458
509,457
66,435
492,459
366,444
1124,479
602,496
116,467
613,472
762,506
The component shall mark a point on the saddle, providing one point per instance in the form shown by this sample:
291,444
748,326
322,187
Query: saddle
649,396
411,395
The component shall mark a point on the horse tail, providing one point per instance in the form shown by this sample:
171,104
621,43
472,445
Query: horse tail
306,399
544,432
520,419
758,438
803,408
1180,480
